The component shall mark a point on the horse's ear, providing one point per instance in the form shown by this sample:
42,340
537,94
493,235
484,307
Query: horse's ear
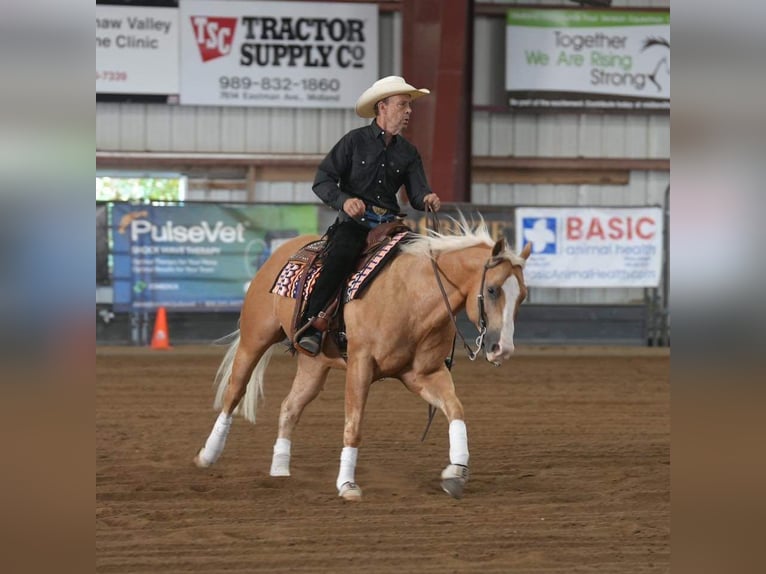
499,247
526,251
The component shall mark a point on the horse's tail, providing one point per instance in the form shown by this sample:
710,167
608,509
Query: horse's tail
249,403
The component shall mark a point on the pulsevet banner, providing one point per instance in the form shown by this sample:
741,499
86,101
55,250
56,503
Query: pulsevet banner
279,54
136,50
591,247
196,257
587,53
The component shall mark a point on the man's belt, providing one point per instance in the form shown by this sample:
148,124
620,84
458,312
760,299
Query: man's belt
378,214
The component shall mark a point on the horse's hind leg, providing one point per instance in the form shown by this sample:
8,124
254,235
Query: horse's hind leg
235,371
309,381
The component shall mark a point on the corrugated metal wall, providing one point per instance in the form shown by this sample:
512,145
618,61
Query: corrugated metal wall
164,128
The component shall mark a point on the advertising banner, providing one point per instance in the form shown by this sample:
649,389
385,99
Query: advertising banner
584,55
591,247
136,50
196,257
278,54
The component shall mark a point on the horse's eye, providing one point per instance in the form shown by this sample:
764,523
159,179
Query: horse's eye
492,291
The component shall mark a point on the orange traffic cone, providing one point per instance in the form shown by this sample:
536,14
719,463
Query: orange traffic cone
160,336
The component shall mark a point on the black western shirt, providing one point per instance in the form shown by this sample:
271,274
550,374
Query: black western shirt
360,165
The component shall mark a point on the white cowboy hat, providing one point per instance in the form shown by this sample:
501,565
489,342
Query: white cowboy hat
380,90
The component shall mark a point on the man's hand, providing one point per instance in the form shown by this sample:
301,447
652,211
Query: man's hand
432,202
354,207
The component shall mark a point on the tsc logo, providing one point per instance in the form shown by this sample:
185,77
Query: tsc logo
541,233
214,35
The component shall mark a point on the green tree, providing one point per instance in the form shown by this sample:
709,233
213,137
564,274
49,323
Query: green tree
137,189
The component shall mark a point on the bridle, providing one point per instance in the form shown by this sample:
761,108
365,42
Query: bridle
482,322
433,222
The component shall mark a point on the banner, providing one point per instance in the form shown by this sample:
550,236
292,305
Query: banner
196,257
583,55
591,247
278,54
136,50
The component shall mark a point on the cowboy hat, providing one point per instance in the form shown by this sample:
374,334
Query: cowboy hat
380,90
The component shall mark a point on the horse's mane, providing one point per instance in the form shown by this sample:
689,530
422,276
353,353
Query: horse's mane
469,235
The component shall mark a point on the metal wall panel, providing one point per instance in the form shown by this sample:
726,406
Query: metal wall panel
107,126
571,135
644,188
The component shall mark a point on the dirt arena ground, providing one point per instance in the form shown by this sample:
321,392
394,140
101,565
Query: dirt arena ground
570,471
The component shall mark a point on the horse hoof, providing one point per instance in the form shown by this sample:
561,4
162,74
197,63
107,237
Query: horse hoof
453,480
200,462
350,491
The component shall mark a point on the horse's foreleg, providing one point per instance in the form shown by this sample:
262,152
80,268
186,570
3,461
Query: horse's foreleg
309,381
439,391
358,380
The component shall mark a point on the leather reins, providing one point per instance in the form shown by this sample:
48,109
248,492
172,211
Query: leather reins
433,223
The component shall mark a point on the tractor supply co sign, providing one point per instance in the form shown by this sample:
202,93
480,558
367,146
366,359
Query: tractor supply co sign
571,57
136,50
196,257
590,247
279,54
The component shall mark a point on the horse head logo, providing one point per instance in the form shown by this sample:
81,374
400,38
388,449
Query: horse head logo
663,61
129,218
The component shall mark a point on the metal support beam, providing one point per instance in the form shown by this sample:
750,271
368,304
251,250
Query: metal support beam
437,54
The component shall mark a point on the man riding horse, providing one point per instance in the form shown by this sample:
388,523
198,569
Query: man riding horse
360,177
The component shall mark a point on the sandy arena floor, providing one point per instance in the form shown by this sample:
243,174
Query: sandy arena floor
570,471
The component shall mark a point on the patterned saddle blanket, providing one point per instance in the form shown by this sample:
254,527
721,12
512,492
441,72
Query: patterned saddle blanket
289,280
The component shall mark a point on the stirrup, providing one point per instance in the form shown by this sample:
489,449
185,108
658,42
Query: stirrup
299,335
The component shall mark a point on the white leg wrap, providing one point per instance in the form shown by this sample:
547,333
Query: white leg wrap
347,466
280,462
458,443
217,439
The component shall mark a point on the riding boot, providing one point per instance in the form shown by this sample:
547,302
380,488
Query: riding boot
309,338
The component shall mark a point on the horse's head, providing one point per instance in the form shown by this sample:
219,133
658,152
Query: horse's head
500,292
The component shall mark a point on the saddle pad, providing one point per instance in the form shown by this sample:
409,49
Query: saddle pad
286,284
288,280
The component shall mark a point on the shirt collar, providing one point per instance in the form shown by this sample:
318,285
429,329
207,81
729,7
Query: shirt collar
378,132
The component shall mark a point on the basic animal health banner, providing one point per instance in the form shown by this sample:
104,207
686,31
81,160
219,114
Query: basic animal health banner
277,54
592,247
588,53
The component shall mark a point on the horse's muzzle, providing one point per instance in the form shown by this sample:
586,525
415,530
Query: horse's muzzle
497,353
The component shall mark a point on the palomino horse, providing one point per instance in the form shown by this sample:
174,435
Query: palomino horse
402,327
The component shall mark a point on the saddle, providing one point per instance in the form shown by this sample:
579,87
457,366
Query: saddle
298,277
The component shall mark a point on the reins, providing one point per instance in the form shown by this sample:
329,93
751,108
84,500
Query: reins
432,222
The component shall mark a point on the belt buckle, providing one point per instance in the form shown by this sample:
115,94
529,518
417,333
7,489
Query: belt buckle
379,210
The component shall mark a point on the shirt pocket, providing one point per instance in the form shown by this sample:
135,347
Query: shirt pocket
364,166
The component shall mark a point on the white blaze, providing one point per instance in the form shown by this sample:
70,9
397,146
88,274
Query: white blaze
512,290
